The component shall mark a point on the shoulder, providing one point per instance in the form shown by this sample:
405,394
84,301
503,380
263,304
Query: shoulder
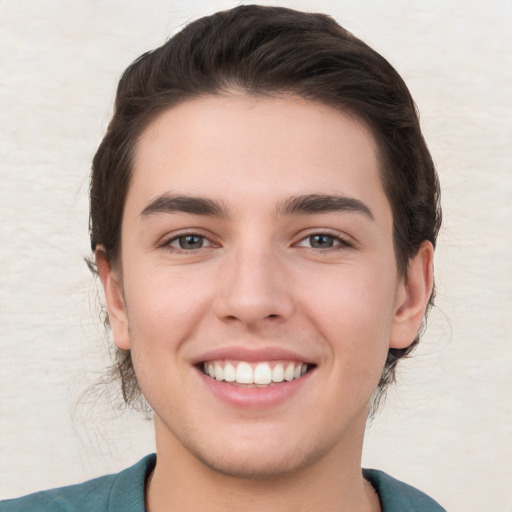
122,491
397,496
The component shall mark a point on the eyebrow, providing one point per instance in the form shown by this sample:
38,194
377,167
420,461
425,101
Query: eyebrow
303,204
323,203
169,203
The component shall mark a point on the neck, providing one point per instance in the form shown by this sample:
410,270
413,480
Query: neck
332,483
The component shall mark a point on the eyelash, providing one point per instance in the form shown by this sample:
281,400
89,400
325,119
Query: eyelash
338,242
168,244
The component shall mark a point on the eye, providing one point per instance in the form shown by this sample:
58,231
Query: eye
189,242
322,241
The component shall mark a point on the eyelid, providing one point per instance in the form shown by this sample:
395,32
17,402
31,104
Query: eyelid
169,238
344,239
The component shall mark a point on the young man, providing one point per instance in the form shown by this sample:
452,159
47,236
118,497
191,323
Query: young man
264,212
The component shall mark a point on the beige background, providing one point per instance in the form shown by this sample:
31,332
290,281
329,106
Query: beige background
447,428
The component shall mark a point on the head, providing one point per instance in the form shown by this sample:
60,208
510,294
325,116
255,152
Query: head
271,52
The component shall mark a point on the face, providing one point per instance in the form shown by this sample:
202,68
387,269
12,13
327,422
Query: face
258,289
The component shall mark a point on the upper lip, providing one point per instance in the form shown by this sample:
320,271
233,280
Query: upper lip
244,353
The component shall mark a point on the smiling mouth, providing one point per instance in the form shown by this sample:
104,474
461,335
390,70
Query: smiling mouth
259,374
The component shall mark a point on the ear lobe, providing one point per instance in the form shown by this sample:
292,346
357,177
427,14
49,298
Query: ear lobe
413,297
113,291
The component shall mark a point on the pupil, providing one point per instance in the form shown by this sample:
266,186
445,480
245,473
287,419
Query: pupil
191,242
321,241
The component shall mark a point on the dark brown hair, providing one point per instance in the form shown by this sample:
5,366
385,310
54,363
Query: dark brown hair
271,51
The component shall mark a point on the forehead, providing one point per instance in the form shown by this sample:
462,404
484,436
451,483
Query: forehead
237,146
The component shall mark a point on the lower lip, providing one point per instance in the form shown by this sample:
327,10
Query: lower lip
254,397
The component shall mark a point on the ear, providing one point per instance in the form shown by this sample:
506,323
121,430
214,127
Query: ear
112,287
412,297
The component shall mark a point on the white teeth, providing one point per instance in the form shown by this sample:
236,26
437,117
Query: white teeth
278,373
289,373
244,374
219,373
261,374
229,373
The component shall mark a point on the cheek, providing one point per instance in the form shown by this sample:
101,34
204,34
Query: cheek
351,295
353,310
164,307
163,313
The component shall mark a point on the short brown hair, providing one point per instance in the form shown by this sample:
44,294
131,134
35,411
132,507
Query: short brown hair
271,50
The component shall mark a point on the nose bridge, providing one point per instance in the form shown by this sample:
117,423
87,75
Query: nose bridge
251,284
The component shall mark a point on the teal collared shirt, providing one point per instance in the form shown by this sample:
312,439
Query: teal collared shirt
124,492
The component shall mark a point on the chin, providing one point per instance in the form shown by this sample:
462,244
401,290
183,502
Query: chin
256,465
257,460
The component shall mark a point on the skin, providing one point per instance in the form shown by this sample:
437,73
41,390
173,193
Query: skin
260,281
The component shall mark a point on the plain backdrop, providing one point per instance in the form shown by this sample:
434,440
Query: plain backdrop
446,427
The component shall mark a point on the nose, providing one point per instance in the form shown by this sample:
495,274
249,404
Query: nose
253,288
